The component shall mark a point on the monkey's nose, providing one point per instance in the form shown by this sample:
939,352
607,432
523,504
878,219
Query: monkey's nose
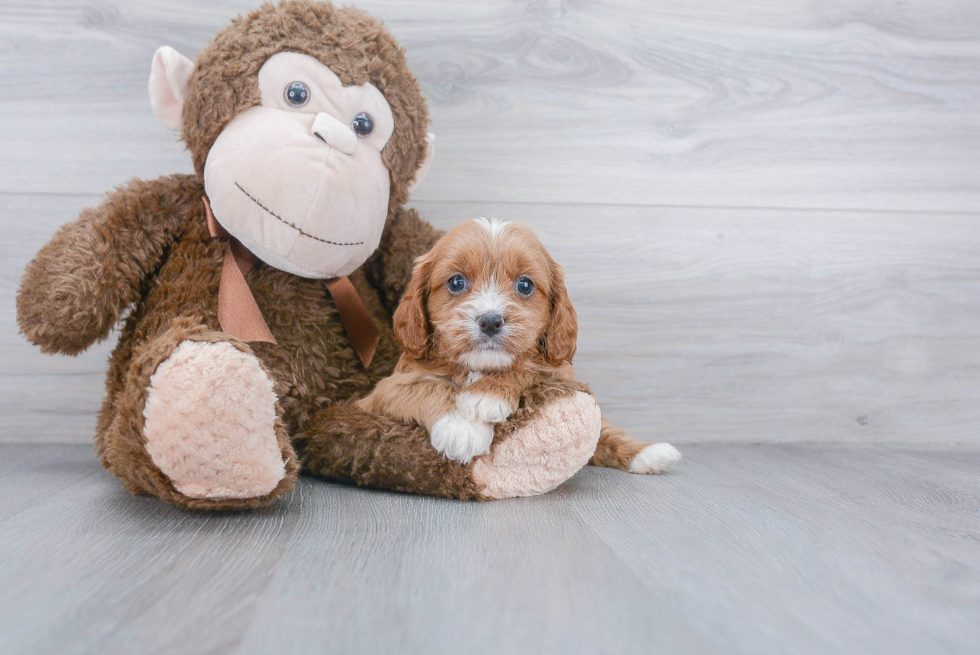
490,324
334,133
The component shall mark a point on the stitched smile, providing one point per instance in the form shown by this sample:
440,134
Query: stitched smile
295,227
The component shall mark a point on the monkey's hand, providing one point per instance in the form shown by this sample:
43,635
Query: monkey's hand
80,282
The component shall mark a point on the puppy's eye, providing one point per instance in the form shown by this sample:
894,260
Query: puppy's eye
362,124
456,284
297,94
524,285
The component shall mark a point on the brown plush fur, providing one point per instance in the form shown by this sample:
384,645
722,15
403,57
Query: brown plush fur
119,439
144,258
150,245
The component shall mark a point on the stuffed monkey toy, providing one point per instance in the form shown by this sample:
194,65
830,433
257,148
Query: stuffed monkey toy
255,295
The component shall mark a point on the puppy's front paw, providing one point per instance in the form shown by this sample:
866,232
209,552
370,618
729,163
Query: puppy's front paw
483,407
655,458
460,439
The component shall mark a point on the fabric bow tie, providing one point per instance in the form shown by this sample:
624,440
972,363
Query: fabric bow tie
239,314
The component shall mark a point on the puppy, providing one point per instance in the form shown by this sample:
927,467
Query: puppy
485,315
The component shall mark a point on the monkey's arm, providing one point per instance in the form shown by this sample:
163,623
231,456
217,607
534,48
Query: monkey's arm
406,237
92,269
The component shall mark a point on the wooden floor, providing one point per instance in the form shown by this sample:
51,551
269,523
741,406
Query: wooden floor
743,549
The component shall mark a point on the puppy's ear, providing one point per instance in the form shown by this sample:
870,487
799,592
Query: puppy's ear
411,319
561,338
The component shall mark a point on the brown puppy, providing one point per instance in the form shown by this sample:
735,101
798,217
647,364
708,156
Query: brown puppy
486,315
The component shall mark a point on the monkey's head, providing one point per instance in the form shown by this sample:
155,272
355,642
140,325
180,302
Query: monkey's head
307,128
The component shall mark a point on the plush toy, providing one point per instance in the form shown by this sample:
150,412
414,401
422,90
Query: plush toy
255,295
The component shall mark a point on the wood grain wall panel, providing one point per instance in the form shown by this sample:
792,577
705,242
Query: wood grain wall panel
830,105
770,325
768,212
747,325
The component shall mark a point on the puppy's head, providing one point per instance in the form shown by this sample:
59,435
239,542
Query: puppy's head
487,296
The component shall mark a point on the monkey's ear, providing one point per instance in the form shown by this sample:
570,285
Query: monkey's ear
169,77
430,150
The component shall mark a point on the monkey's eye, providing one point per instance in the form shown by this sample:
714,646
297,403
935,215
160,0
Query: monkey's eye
456,284
297,94
524,286
362,124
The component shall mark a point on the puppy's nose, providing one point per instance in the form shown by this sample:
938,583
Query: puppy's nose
490,324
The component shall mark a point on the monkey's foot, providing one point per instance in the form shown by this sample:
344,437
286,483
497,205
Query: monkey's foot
210,423
543,453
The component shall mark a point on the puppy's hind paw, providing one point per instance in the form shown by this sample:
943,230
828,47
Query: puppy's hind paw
655,458
483,407
460,439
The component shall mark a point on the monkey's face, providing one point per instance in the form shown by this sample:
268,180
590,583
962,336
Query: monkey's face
299,179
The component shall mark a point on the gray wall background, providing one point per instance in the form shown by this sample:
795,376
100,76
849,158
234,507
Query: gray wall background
767,210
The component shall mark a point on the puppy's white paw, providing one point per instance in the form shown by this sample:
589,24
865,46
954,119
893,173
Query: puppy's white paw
483,407
460,439
655,458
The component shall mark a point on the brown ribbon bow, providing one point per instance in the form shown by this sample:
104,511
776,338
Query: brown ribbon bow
239,314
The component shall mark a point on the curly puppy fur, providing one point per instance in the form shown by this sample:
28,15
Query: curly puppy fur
145,258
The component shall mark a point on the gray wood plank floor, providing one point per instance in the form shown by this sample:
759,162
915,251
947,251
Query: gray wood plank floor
742,549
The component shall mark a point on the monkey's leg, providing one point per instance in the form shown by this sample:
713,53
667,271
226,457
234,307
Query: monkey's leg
544,442
197,424
616,449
